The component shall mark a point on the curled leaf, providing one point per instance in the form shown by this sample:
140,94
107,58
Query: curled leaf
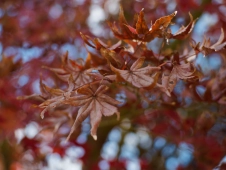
158,29
183,32
206,48
162,22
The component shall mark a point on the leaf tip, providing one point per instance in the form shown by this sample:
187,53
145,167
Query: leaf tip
42,116
94,137
191,17
67,139
118,115
168,93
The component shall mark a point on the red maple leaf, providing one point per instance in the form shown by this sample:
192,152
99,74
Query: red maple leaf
94,103
137,76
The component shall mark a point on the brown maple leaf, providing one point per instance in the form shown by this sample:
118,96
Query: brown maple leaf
94,103
46,93
141,25
183,71
109,52
183,32
164,87
141,31
56,97
206,48
75,68
125,33
137,76
158,29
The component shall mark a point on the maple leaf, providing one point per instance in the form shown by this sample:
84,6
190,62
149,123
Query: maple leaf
75,68
46,93
164,87
93,103
206,48
141,26
183,32
56,97
107,51
137,76
159,27
141,31
125,32
183,71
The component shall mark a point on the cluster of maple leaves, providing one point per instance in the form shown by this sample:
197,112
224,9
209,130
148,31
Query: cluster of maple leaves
128,63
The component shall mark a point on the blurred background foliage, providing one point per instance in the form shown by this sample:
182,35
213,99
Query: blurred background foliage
37,33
